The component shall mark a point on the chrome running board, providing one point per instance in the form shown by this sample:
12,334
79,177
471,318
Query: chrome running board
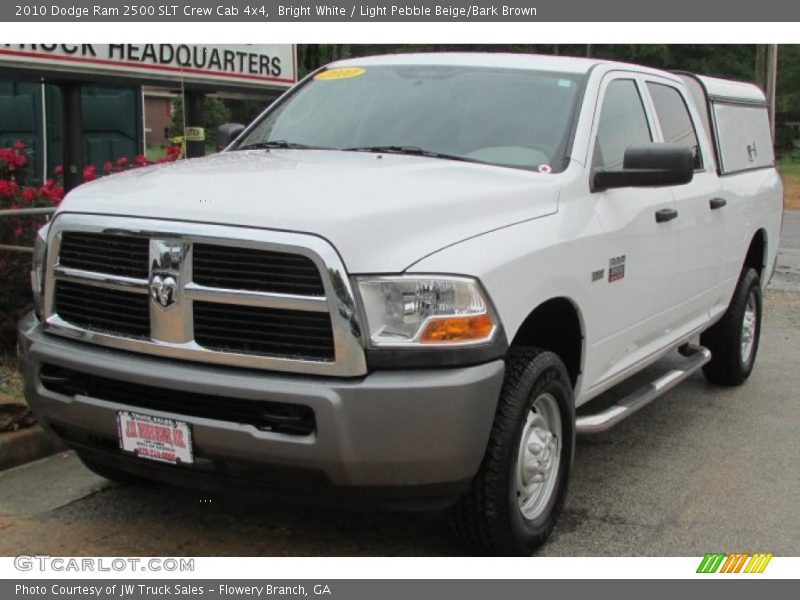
696,357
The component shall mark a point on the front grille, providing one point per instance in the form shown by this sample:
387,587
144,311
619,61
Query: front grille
266,331
280,417
215,294
256,270
102,309
105,253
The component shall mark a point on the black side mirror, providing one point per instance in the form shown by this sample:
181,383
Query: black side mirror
648,165
226,133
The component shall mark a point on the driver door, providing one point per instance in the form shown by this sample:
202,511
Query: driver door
633,300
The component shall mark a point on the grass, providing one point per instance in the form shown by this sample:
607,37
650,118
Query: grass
154,152
10,379
790,173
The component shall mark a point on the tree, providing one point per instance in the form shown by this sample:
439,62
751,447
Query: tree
215,113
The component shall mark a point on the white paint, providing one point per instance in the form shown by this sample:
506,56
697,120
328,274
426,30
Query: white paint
529,237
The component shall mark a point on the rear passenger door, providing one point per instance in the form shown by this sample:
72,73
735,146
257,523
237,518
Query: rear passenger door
700,227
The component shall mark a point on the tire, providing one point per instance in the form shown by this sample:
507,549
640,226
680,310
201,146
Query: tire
113,474
493,517
733,341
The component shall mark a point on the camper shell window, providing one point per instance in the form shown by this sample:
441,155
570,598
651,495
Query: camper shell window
736,118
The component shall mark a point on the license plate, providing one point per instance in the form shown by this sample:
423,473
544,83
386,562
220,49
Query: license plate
154,438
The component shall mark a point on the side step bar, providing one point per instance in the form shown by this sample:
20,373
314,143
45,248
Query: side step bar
696,357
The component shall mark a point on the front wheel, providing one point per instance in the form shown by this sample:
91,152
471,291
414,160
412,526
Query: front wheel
733,340
515,499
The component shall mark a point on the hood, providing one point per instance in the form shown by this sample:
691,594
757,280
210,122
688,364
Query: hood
382,212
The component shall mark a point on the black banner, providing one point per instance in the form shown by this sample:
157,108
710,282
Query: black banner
409,11
373,589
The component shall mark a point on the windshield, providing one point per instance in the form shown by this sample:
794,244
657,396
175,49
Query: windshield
504,117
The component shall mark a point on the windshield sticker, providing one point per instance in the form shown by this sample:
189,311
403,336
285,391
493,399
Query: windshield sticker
343,73
545,169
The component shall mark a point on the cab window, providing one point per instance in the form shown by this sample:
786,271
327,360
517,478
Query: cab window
673,117
623,123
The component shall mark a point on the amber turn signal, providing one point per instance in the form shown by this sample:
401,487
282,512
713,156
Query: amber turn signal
457,329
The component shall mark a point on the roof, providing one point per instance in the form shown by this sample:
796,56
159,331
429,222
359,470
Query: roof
561,64
724,89
716,88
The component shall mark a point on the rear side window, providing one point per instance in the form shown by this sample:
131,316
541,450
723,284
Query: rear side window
674,119
623,123
744,138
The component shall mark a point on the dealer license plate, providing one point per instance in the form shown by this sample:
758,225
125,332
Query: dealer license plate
154,438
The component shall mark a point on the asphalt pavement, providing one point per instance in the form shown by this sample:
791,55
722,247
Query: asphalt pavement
702,469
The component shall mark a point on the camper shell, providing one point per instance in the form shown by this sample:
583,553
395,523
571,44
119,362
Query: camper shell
736,120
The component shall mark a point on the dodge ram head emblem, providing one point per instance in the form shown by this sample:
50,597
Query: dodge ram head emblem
167,258
164,289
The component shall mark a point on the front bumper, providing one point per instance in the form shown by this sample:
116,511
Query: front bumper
389,432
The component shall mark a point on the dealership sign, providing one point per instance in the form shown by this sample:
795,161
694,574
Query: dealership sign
230,65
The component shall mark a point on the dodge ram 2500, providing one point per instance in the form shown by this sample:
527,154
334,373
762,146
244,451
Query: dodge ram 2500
404,277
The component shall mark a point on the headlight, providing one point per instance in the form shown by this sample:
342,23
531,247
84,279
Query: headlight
37,270
426,310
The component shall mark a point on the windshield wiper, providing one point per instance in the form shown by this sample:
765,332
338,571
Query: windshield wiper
280,144
409,150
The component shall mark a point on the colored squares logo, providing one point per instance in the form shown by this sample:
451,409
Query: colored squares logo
721,562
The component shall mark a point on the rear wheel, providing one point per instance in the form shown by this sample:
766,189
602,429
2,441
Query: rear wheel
515,499
733,340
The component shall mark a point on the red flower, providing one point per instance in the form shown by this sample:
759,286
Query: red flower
173,152
6,155
122,161
20,160
9,158
59,170
29,194
57,194
13,187
140,160
108,166
5,189
19,146
89,172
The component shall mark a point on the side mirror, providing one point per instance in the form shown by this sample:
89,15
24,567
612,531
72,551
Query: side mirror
226,133
648,165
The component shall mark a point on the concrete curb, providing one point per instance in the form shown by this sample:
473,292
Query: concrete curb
26,445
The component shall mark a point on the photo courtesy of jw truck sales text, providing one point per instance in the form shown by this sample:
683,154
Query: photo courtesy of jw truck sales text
377,278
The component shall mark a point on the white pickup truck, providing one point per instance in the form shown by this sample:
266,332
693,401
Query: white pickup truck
401,280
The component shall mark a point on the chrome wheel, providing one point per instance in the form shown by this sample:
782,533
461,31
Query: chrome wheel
539,456
749,325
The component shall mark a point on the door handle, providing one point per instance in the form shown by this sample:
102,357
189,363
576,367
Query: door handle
666,214
716,203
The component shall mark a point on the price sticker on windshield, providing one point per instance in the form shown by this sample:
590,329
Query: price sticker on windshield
342,73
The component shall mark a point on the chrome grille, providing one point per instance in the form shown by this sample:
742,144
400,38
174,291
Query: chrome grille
103,310
227,295
254,330
113,254
256,270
